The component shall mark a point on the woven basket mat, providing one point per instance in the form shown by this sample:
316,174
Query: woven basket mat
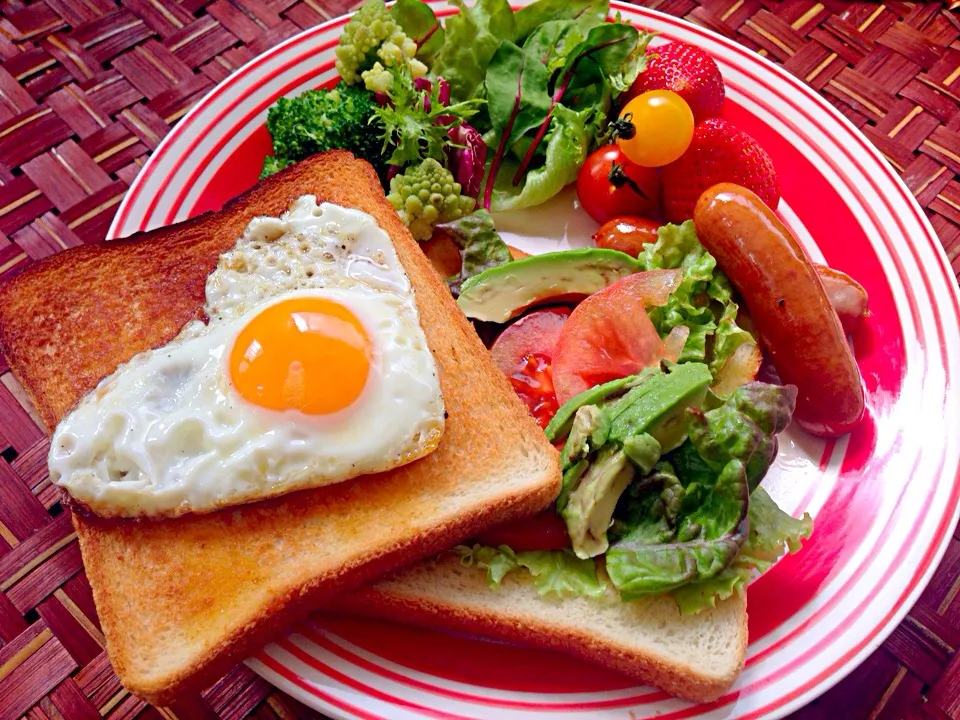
87,90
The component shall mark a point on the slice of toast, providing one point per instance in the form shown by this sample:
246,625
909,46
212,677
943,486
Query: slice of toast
182,600
695,657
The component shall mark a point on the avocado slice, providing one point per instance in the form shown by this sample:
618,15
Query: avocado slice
658,406
637,428
503,292
560,425
590,506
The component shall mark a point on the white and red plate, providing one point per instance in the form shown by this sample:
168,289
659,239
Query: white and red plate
885,499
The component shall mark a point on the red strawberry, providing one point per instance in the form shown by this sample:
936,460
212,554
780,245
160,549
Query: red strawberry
689,72
719,152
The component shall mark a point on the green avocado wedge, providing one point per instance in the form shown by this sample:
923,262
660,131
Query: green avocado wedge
501,293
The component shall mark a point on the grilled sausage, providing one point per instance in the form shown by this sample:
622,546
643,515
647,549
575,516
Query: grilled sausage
788,304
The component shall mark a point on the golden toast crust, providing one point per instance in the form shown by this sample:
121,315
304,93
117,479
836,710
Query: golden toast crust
182,600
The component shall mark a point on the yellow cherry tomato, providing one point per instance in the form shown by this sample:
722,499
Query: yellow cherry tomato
662,128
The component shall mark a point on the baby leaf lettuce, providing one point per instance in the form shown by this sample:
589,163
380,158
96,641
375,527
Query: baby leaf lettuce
539,13
605,48
471,38
745,428
516,86
772,533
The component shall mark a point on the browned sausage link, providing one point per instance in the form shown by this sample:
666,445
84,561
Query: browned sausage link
846,295
787,302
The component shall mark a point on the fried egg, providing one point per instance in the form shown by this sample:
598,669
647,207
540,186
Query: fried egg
311,369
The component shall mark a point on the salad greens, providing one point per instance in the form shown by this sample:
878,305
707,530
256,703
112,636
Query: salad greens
703,302
532,88
695,524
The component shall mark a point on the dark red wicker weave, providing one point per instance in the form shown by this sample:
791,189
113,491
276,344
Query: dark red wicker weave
87,90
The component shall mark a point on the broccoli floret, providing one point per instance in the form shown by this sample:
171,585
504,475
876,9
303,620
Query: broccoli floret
426,194
373,33
318,120
273,165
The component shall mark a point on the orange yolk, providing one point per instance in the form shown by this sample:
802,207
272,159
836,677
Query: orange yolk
305,354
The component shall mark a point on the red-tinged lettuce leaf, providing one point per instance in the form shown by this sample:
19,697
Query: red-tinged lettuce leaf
772,534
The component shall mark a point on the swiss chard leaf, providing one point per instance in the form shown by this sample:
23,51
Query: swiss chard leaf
471,38
421,25
601,52
481,246
568,142
536,14
516,85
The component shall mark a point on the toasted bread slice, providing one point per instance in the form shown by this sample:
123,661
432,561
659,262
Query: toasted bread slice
695,657
181,600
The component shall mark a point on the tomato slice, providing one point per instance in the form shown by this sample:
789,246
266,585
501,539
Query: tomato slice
545,531
609,335
524,352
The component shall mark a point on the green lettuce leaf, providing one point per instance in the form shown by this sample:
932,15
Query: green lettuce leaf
556,572
772,533
568,141
679,540
703,302
744,428
536,14
471,38
481,246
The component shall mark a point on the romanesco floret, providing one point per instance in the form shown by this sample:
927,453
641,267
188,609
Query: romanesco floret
318,120
426,194
373,33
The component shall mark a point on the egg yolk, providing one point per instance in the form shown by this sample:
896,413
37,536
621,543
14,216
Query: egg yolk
306,354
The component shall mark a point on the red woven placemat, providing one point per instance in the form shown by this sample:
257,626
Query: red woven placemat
88,88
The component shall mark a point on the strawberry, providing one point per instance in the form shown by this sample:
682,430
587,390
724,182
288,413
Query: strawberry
719,152
689,72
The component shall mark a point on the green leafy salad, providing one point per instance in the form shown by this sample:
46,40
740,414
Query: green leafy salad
494,109
661,469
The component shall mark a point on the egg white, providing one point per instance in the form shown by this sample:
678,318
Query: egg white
167,433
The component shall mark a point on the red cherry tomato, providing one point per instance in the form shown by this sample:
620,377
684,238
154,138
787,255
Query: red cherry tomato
609,185
524,352
627,234
609,335
545,531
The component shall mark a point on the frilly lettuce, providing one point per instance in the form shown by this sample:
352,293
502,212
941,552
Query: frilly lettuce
559,572
703,302
772,533
684,533
556,572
